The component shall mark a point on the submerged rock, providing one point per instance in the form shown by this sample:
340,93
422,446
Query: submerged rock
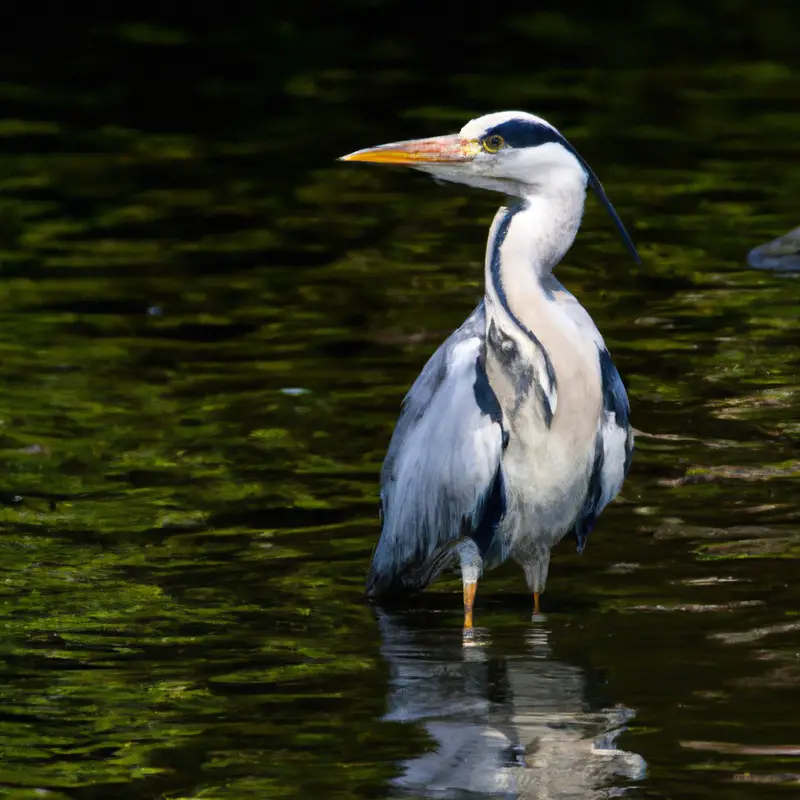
782,253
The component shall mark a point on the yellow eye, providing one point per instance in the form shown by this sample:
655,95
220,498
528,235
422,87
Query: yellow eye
491,144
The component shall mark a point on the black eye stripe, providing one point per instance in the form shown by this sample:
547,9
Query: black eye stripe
527,133
524,133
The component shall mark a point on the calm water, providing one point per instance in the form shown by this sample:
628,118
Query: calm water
207,327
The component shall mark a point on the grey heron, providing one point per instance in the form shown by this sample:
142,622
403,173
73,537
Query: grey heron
517,430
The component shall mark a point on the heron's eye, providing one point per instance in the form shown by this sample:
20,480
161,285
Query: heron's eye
493,143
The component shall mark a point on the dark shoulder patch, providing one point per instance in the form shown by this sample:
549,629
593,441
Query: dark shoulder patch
615,399
484,394
590,510
492,512
525,133
614,396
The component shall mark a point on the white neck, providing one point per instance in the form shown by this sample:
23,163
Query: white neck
527,239
537,232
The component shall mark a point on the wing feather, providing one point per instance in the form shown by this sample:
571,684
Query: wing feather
442,476
613,449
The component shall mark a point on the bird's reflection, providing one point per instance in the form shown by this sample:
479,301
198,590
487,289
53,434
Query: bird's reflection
512,726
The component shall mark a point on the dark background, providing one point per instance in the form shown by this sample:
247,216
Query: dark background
208,324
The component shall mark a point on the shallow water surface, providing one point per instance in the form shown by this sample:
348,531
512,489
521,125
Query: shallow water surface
208,325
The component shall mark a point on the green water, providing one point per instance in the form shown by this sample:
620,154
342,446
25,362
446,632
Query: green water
208,325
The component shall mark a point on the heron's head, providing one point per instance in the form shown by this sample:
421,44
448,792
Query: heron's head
512,152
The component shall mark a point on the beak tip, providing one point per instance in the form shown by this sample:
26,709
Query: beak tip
438,150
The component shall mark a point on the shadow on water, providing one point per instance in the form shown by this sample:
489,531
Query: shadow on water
515,724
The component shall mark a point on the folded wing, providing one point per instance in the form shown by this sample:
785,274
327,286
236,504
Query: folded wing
442,477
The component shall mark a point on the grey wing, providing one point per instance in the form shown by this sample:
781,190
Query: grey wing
442,476
613,449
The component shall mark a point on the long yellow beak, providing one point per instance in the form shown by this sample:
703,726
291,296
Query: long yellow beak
438,150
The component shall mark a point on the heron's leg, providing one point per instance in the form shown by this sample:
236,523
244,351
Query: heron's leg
470,587
536,575
471,569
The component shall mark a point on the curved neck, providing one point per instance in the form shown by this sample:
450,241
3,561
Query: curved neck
528,239
533,234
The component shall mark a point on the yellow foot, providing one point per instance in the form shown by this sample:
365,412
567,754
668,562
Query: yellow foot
536,609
